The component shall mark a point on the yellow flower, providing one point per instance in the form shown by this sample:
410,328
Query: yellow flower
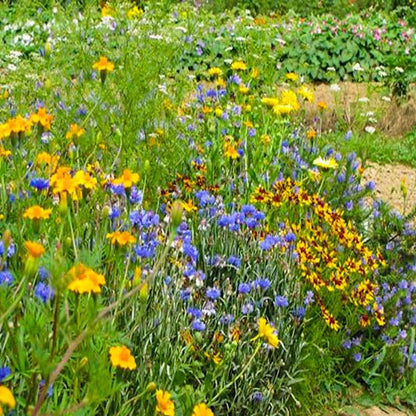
127,179
290,98
135,13
5,153
121,357
267,332
122,238
6,398
255,73
107,11
202,410
311,133
85,179
75,131
292,76
215,71
305,93
35,249
42,118
330,163
103,65
85,280
189,206
164,405
36,212
322,105
270,102
238,66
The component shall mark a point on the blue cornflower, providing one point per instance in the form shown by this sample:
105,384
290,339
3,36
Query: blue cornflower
194,312
136,196
357,357
213,293
244,288
198,325
247,308
281,301
226,319
44,292
234,261
290,237
4,373
263,284
185,294
39,183
257,396
6,278
309,298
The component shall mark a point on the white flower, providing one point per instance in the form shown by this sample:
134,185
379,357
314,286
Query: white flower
386,98
12,67
399,69
335,88
357,67
331,69
370,129
363,100
181,29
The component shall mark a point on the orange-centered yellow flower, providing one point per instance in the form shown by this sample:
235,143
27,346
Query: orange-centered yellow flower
36,212
103,65
127,179
6,398
34,249
202,410
164,405
121,237
267,332
85,280
121,357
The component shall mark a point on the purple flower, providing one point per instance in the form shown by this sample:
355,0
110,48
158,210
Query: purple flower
194,312
357,357
262,284
6,278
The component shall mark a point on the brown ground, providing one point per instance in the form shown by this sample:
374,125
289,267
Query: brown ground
388,179
347,105
376,411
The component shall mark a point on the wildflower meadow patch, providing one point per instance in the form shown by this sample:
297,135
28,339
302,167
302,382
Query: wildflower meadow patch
180,231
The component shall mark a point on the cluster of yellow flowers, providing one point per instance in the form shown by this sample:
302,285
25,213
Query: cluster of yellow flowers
331,254
18,126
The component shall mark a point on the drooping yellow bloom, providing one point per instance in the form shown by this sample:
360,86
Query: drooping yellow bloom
104,64
36,212
267,332
6,399
121,357
122,238
127,179
164,405
238,66
85,280
75,131
34,249
330,163
202,410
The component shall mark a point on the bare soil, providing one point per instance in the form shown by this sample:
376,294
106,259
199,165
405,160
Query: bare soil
359,103
388,179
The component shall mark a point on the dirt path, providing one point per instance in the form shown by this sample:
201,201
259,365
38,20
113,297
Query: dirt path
388,179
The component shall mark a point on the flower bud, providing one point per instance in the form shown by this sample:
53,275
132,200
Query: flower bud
176,214
151,387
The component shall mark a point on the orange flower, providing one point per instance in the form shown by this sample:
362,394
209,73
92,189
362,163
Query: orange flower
34,249
42,118
103,65
85,280
121,357
202,410
164,404
75,131
36,212
127,179
121,237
